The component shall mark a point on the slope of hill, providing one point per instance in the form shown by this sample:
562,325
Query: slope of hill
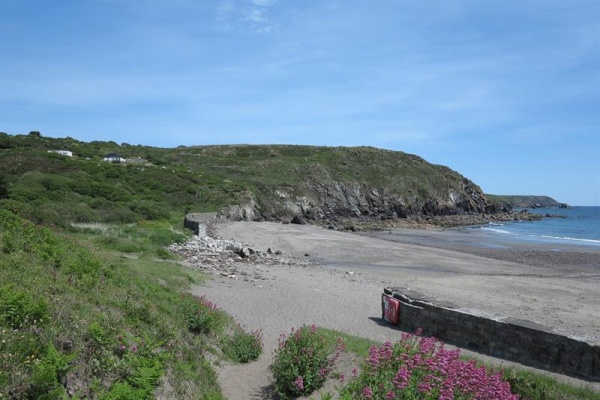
255,182
527,201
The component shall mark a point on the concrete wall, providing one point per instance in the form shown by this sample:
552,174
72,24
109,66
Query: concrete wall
525,342
197,222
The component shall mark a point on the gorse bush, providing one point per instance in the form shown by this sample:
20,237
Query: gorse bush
421,368
302,362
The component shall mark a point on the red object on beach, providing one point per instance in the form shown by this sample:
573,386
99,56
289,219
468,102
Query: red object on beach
390,308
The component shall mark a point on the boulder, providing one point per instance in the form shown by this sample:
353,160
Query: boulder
299,220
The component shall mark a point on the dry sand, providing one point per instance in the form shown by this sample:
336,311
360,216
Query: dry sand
343,291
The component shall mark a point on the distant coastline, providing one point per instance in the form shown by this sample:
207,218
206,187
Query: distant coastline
527,201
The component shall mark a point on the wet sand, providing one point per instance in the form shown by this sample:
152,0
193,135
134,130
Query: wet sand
558,289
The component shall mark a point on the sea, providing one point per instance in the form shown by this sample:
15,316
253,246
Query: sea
579,226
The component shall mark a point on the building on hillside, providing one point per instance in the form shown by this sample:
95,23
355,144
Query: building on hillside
136,160
62,152
113,157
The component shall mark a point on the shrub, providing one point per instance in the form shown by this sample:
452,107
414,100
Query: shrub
201,315
149,210
243,347
302,362
418,367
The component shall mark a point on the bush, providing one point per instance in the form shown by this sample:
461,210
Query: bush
302,362
149,210
201,315
418,367
243,347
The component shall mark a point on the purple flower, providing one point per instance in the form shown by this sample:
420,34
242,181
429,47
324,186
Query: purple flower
402,377
367,392
299,383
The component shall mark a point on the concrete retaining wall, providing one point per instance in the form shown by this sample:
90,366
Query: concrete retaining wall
197,222
522,341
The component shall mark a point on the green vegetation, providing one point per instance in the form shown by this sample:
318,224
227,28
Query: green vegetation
413,368
79,320
56,190
525,201
303,362
532,385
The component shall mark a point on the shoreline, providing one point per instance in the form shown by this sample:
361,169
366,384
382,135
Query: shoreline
564,256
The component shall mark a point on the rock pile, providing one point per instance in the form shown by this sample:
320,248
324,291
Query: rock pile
229,258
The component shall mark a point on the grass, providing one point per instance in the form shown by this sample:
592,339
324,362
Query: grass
80,320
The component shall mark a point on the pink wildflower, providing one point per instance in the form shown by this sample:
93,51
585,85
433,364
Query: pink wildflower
401,379
367,392
373,357
299,383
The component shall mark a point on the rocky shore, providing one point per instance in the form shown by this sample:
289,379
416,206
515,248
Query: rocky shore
229,258
422,221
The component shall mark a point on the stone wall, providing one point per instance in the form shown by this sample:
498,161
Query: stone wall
522,341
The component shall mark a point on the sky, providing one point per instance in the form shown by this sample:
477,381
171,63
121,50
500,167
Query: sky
507,93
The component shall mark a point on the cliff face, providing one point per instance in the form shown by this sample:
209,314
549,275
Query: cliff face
363,183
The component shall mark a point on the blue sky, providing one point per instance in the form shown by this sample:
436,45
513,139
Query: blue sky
505,92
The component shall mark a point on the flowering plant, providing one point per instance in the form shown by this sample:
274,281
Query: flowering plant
302,362
421,368
201,315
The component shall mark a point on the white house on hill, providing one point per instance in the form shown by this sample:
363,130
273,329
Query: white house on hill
113,157
62,152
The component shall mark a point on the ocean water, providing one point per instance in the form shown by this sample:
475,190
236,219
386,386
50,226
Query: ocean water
580,226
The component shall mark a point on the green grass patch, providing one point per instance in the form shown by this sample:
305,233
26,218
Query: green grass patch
80,320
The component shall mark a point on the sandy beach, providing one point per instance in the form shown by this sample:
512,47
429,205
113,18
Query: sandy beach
340,289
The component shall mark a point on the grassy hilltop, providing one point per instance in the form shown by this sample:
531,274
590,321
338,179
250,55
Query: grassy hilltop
270,181
527,201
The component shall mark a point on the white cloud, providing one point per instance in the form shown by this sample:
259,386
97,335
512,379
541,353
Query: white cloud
243,16
224,10
253,15
264,3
